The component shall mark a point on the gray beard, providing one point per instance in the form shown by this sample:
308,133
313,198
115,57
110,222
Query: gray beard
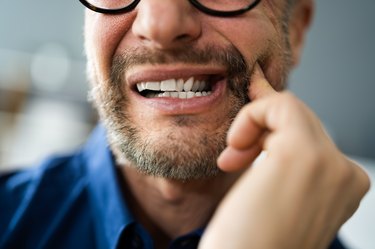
176,156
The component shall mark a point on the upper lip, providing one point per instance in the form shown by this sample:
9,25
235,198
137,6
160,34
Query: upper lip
163,72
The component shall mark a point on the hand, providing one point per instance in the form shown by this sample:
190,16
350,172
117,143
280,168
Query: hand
299,195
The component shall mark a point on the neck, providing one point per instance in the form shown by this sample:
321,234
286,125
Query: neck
170,208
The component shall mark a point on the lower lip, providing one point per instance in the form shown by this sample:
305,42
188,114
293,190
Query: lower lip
176,106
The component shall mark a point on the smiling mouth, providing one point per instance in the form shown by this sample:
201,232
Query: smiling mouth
191,87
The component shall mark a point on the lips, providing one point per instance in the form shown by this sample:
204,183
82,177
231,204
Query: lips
177,91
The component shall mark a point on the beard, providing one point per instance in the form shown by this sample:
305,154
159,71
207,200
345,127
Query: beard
182,155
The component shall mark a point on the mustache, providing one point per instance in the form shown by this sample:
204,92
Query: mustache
228,57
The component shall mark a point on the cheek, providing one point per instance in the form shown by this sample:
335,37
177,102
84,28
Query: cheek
103,33
254,36
259,40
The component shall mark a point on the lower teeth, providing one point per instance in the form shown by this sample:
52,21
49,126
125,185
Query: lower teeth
180,95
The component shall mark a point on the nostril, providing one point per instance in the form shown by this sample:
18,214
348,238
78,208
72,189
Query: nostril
141,37
183,37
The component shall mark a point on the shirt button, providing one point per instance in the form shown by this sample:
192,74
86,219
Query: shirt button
131,241
136,242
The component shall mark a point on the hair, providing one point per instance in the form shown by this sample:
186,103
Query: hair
290,4
288,9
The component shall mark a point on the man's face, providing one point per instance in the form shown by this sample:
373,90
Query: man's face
139,62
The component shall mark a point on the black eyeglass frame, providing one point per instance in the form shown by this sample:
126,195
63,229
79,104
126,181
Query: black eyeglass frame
195,3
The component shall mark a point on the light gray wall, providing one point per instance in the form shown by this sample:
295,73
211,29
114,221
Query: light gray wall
25,25
335,77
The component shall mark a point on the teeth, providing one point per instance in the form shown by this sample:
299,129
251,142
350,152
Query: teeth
189,95
168,85
154,86
180,85
141,86
173,85
202,86
195,86
182,95
166,94
174,94
174,88
188,84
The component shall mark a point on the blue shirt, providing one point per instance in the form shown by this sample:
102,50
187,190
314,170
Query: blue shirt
75,201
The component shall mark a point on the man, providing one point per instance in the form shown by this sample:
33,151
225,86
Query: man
168,77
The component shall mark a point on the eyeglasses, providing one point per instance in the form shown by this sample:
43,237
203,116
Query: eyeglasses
221,8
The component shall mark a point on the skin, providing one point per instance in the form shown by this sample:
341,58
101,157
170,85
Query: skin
169,208
314,197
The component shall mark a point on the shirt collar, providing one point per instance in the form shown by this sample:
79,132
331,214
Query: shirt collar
110,212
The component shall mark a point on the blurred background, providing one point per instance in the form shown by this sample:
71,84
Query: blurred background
43,90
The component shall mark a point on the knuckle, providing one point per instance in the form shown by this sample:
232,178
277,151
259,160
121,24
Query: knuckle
350,175
363,180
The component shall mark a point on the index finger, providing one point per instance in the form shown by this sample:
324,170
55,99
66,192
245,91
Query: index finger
259,85
245,131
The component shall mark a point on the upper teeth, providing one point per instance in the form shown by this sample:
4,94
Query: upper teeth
173,85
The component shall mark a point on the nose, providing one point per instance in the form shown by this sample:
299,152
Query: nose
166,24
